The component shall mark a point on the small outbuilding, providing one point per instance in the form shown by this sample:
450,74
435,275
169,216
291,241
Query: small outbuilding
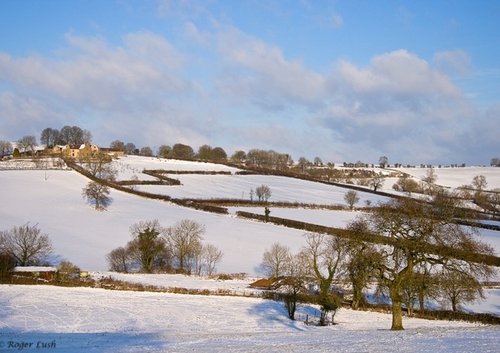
43,272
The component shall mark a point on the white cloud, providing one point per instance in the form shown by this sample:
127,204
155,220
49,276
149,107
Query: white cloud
249,93
107,88
399,104
21,115
193,33
397,73
336,20
454,62
260,72
93,73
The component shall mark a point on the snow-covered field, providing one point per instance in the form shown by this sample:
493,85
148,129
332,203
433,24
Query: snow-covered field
52,199
96,320
240,186
490,304
231,186
455,177
132,166
171,281
84,236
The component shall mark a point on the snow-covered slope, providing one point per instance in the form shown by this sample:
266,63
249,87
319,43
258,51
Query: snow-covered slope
84,236
52,199
455,177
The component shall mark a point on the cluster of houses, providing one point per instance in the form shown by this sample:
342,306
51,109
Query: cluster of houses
78,151
71,151
75,151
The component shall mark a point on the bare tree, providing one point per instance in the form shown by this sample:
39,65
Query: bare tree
414,230
383,162
146,151
164,151
27,244
74,135
457,288
204,153
268,159
211,256
129,148
376,182
493,199
430,180
292,284
5,148
351,198
326,255
479,183
119,260
303,164
99,165
238,157
49,137
360,266
418,286
184,239
180,151
117,145
406,184
263,192
274,260
66,270
97,194
7,264
27,144
218,154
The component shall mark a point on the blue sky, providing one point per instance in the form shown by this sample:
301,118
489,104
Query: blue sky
416,81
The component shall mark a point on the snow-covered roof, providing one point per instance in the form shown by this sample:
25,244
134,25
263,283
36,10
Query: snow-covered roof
35,269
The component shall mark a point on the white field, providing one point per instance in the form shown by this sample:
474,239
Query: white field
84,236
446,177
231,186
455,177
96,320
132,166
52,199
239,186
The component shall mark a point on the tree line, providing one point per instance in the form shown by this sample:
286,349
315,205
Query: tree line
175,249
153,248
24,245
407,268
477,191
75,135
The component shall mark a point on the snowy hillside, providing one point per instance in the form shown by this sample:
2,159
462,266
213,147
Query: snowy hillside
52,199
455,177
84,236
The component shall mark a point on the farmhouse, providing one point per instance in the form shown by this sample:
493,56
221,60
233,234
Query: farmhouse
76,151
